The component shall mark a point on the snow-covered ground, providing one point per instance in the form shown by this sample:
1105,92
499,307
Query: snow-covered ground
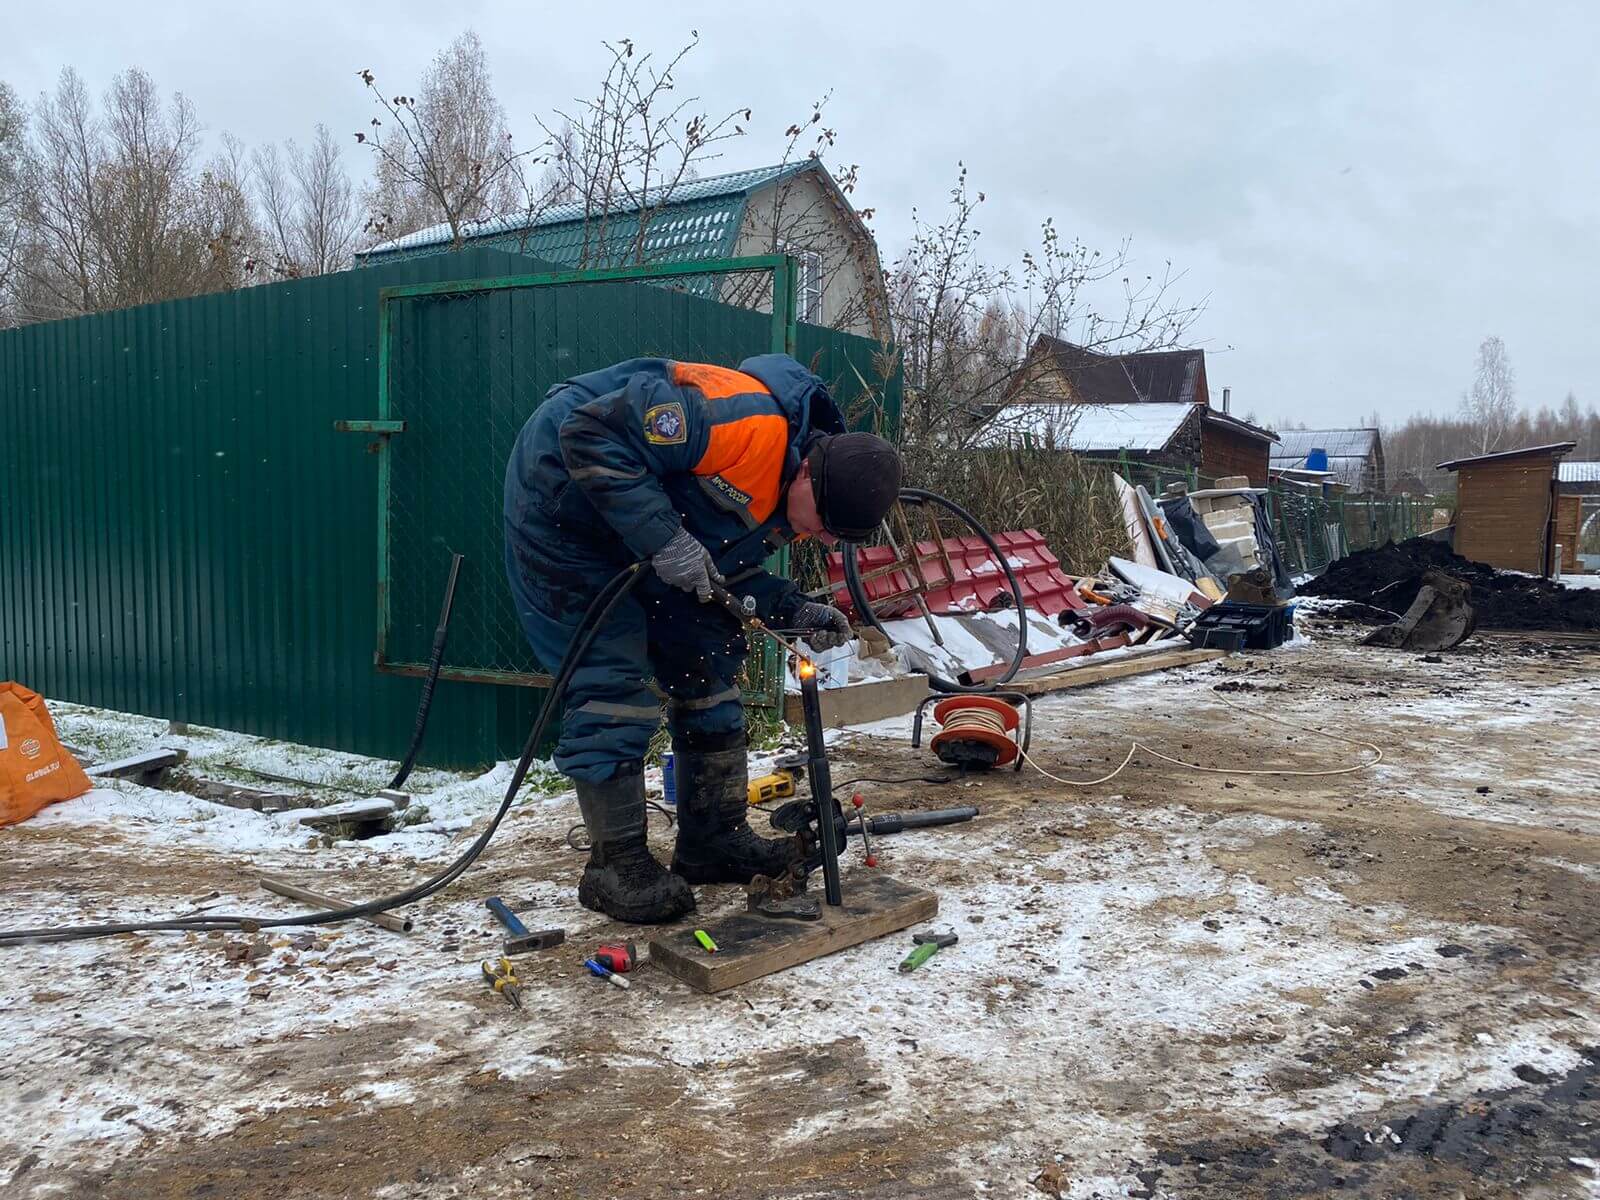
1168,961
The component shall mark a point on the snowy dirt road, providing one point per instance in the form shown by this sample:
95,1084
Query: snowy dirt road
1174,984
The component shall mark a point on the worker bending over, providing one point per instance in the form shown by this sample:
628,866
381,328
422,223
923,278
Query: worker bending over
703,472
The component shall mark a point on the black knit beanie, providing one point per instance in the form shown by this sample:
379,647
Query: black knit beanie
856,479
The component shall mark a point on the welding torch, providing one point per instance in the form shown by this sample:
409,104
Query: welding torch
743,609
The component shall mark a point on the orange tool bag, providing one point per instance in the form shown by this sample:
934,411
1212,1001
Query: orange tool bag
34,769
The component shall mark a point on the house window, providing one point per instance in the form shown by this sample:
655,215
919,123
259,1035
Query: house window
808,287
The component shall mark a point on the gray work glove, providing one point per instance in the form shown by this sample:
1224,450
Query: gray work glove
685,563
824,626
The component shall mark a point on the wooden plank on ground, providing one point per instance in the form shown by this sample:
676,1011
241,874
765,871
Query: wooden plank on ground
146,767
348,819
1122,668
240,795
862,702
749,946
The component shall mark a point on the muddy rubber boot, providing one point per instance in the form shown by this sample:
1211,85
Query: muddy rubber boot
623,879
715,841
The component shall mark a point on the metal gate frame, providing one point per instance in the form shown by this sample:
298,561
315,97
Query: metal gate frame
768,675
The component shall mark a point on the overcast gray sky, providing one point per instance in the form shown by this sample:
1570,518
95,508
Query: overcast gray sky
1362,191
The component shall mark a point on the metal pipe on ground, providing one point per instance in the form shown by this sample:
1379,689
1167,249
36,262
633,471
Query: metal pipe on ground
293,891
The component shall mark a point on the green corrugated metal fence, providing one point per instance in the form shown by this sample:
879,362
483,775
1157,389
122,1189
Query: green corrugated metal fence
184,534
469,363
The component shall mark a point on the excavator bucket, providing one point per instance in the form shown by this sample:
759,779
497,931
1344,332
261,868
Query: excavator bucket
1440,617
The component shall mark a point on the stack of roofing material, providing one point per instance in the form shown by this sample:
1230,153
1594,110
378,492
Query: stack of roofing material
962,576
1158,541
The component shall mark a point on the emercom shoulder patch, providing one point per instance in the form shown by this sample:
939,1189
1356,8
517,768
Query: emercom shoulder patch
664,425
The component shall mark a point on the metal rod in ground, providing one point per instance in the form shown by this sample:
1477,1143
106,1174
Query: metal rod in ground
435,661
821,783
293,891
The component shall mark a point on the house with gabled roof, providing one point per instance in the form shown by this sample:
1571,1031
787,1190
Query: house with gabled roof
796,208
1152,406
1353,457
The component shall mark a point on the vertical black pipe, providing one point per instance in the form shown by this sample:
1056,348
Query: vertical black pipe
821,784
435,661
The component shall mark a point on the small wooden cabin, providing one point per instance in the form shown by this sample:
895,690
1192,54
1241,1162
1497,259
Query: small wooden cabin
1506,507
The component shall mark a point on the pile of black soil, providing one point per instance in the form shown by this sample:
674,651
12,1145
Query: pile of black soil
1389,576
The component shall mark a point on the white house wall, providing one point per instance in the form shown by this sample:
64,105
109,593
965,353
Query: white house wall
808,219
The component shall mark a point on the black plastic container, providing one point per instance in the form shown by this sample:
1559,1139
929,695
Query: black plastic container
1232,626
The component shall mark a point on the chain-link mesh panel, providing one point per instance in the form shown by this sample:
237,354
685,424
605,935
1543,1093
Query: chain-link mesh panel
1589,533
1313,531
1309,528
465,371
1155,477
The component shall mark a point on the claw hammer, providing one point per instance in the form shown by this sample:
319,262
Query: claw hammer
521,940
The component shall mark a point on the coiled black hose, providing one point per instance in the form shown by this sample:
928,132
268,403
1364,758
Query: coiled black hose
858,593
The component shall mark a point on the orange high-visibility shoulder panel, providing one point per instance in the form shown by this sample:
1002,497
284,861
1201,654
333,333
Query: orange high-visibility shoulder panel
34,769
717,382
748,454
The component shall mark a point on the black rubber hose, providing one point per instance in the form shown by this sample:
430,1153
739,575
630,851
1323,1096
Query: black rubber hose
858,593
435,661
594,619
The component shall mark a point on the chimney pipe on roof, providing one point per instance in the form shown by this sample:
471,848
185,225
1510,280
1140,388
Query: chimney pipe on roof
1227,395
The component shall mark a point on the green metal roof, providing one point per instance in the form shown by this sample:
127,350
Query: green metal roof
701,220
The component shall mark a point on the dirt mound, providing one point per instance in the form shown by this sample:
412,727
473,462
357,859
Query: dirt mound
1390,575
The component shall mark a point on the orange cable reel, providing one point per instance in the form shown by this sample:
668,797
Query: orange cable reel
976,732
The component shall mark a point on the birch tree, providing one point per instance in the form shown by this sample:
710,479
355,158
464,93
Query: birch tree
445,155
1490,404
308,212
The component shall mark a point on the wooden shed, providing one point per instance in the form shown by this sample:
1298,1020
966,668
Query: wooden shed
1506,507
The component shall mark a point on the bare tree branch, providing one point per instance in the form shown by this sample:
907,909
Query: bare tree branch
630,147
966,326
445,155
116,211
308,207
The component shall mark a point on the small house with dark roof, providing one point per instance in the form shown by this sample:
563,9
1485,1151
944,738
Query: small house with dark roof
1506,508
1153,406
796,208
1354,456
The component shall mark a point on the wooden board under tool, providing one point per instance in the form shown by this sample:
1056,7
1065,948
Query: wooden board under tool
749,946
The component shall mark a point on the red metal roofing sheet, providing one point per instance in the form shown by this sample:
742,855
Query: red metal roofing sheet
978,583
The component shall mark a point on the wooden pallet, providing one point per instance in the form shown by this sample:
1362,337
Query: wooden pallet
749,946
